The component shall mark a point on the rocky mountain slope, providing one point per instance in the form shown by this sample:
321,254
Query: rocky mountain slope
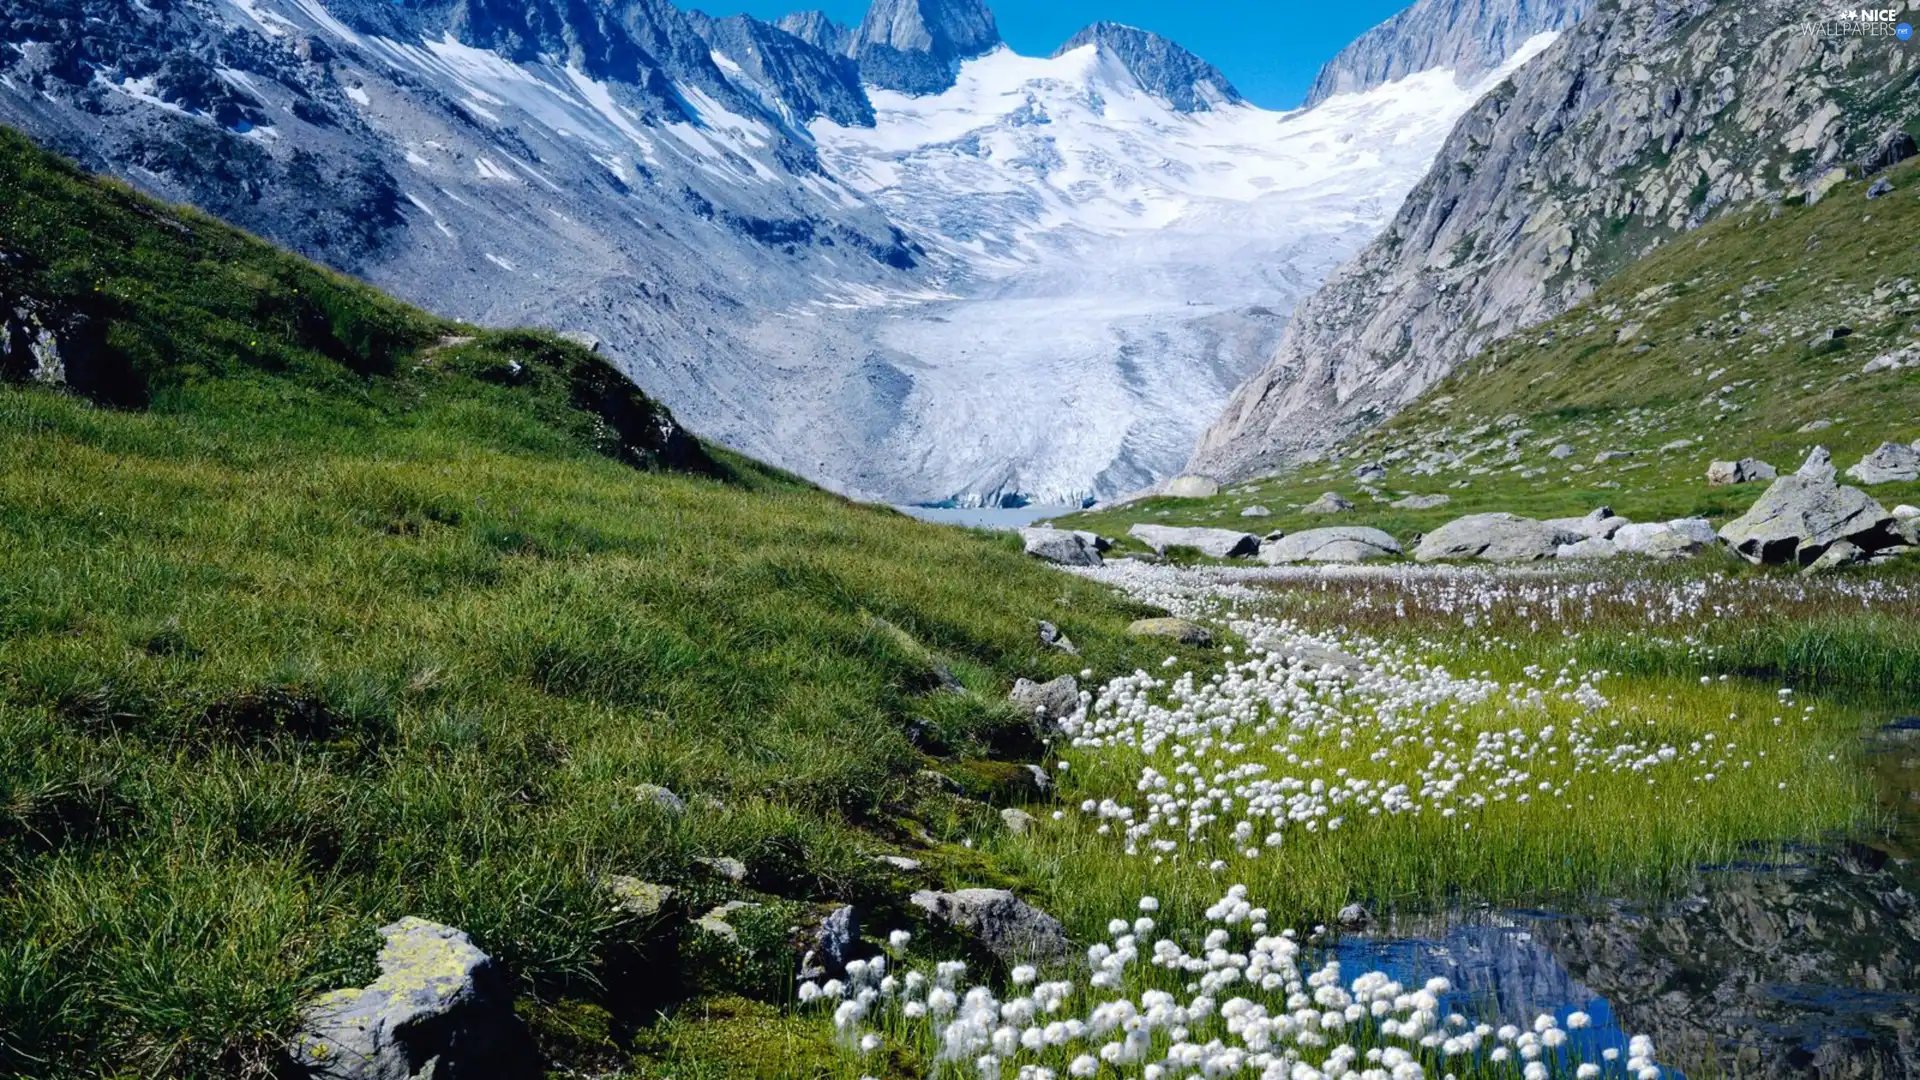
1002,278
1467,37
1642,123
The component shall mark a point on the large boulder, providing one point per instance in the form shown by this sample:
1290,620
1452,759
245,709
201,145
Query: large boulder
1011,929
1802,515
1495,538
1215,543
1060,546
1892,463
1341,544
1601,522
1421,502
1181,630
1666,539
1049,703
439,1009
1329,502
1193,486
1745,471
1593,547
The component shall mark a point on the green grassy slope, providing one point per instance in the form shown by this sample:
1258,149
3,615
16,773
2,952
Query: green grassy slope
1708,339
313,615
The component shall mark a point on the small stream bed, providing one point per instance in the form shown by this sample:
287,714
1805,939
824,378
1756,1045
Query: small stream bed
1805,965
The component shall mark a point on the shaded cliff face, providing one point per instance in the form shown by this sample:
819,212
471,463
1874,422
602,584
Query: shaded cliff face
1642,122
798,79
1161,67
1468,37
915,46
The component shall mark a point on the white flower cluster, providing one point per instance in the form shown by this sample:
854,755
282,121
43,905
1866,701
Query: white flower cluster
1244,1003
1276,744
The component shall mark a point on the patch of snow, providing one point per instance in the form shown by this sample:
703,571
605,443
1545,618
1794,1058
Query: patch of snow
500,262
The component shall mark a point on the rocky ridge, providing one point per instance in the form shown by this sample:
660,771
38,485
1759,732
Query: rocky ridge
1469,37
1643,122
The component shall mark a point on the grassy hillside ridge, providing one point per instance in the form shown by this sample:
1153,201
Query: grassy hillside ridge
317,611
1710,339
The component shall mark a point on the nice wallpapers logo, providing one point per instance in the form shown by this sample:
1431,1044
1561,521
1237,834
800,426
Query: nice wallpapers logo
1891,23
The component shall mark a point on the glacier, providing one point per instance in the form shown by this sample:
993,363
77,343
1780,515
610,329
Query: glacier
1114,266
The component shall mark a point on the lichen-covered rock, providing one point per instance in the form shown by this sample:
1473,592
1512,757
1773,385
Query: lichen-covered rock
1183,631
1018,821
1005,925
1338,544
1213,543
718,921
638,898
439,1010
1421,502
1049,703
1061,546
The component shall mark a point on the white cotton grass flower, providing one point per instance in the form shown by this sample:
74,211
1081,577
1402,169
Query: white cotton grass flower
898,940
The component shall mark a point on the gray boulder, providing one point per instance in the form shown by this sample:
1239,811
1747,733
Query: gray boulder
1005,925
1422,502
1193,486
1018,821
1818,467
1341,544
1256,512
1798,518
1049,703
1331,502
1561,451
1842,553
1370,474
1059,546
657,796
440,1009
1494,538
837,939
1214,543
1890,464
1052,637
1181,630
1666,539
1593,547
1601,522
1745,471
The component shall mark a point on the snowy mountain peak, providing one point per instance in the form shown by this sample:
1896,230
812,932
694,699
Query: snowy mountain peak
1161,67
916,46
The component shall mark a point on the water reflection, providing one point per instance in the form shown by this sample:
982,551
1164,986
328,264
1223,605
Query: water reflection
1809,966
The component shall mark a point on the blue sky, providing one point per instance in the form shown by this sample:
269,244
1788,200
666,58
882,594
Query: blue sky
1270,49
